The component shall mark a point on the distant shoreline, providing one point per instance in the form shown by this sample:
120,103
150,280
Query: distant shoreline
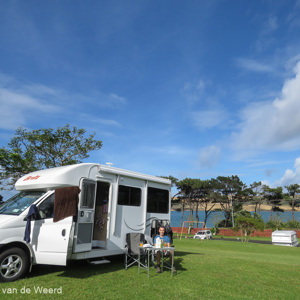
249,207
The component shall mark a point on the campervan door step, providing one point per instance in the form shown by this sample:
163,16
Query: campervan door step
98,262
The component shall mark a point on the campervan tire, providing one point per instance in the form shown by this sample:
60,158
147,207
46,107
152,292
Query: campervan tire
14,264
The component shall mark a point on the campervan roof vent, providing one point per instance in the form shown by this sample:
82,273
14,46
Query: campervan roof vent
109,164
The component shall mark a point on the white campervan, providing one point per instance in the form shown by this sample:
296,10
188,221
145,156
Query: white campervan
112,202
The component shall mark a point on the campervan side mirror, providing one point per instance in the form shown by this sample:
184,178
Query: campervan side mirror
34,217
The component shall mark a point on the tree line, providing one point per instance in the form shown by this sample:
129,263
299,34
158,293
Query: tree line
230,193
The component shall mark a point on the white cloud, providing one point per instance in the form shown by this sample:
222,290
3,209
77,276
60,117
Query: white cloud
204,108
260,163
41,90
193,91
109,100
293,17
209,157
115,99
270,25
266,35
20,101
101,121
290,176
16,106
206,119
274,124
253,65
108,122
171,150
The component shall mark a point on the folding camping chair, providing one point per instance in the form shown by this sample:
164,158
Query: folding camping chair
133,252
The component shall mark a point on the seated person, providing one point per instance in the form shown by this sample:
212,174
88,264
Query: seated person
165,240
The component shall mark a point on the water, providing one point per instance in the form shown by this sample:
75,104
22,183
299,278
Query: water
176,217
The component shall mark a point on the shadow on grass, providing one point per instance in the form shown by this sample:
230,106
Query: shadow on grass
82,269
79,269
184,253
178,264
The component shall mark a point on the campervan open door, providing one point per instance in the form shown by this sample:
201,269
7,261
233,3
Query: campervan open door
85,221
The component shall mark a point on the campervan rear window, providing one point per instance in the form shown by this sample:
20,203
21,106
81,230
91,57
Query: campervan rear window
129,195
158,201
18,203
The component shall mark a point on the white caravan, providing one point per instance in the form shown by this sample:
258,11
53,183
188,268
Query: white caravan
112,203
285,238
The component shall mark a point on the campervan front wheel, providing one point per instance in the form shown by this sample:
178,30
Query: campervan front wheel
14,264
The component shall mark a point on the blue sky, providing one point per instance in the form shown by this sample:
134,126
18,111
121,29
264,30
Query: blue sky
183,88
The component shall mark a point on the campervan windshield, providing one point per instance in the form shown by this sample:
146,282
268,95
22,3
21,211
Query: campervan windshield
19,202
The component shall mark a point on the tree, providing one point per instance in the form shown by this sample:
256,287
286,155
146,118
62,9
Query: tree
29,151
255,192
196,193
202,198
209,199
247,224
274,197
185,195
293,189
173,179
216,218
232,193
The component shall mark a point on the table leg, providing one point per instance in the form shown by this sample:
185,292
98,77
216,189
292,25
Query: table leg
172,265
162,260
139,263
148,252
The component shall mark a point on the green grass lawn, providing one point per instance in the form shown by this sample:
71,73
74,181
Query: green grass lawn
219,236
252,238
213,269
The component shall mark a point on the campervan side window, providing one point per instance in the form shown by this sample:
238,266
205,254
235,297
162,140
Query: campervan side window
46,208
129,196
158,201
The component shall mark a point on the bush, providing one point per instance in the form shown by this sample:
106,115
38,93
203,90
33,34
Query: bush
274,224
222,224
215,230
247,225
280,225
292,224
